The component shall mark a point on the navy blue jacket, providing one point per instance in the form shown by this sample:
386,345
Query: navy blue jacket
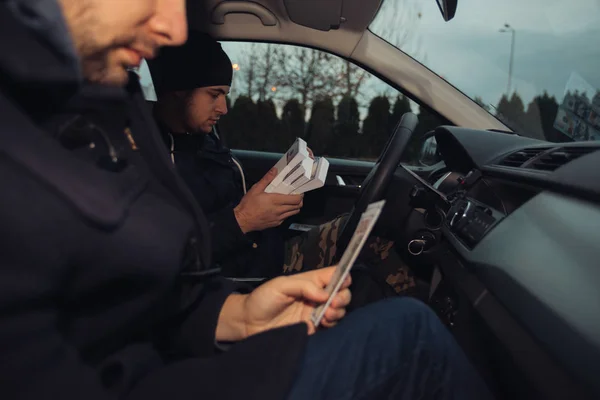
206,165
98,237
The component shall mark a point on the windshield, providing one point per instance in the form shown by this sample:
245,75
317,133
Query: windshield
535,65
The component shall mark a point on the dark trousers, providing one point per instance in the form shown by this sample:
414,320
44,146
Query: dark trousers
393,349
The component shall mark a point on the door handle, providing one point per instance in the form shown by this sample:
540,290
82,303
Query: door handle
340,181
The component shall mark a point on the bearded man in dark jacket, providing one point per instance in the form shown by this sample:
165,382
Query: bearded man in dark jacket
105,283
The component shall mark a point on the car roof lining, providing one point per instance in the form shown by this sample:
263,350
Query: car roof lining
357,13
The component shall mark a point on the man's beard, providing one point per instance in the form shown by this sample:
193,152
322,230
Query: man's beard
98,69
99,63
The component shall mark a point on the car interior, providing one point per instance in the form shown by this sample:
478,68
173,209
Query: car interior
500,225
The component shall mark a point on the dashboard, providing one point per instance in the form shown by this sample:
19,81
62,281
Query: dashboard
477,204
521,225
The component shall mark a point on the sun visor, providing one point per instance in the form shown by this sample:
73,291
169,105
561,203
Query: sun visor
322,15
267,18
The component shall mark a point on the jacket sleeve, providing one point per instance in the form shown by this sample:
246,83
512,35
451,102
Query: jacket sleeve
227,236
38,362
192,332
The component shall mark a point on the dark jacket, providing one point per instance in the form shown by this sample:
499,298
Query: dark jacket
207,166
94,239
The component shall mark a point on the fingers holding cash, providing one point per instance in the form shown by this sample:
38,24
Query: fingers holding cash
336,285
287,199
298,171
337,308
259,210
279,194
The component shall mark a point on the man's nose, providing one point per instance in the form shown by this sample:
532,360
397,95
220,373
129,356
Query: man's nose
169,22
222,105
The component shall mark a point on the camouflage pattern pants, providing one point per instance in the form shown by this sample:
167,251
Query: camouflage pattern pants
317,247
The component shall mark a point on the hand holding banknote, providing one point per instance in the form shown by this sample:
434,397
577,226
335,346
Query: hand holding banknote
258,210
280,302
317,298
363,229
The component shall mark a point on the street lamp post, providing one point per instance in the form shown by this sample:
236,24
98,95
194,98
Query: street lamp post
235,67
508,28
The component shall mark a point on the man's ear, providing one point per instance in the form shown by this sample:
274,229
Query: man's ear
182,97
169,106
180,94
171,101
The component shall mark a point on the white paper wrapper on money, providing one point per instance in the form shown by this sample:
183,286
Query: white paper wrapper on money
299,173
296,154
316,180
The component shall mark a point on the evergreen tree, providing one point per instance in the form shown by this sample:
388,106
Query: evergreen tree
532,123
269,127
292,119
503,109
512,112
320,127
401,107
346,133
518,108
548,108
376,127
240,125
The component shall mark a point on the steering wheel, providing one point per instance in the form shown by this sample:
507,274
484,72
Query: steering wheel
375,185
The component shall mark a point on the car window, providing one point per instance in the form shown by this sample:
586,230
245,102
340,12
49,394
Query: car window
146,81
280,92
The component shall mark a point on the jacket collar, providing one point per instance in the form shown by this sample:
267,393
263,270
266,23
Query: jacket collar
99,195
38,65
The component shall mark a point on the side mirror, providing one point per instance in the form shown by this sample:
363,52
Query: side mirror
428,154
447,8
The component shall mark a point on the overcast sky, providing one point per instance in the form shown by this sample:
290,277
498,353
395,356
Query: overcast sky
556,43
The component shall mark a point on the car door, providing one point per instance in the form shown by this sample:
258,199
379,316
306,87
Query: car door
280,92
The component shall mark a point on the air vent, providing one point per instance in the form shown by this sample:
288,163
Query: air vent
559,157
520,157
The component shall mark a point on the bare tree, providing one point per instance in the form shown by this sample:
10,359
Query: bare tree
353,78
397,22
284,72
256,73
249,73
309,74
246,72
266,67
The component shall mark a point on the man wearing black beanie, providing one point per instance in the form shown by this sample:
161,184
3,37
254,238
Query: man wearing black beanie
191,99
198,72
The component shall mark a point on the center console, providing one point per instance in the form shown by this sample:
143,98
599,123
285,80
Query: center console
470,220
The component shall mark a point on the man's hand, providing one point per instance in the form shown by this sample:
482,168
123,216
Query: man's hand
282,301
258,210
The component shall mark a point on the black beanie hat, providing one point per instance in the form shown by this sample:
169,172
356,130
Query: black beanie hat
200,62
